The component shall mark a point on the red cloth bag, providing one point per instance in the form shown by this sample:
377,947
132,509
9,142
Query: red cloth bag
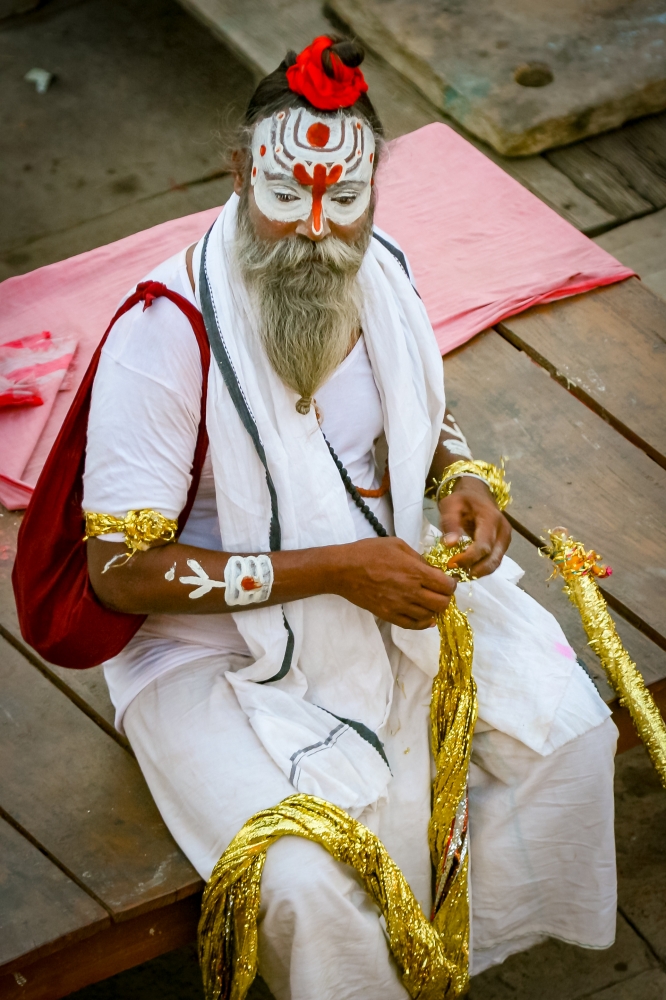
58,612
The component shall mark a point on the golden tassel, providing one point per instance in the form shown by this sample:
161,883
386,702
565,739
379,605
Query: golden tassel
432,956
579,570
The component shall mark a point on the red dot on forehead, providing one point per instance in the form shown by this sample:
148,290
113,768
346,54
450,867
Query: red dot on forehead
318,134
262,150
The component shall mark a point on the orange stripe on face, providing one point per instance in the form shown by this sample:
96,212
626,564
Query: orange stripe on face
319,181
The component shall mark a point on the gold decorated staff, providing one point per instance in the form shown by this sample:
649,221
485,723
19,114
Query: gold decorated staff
579,570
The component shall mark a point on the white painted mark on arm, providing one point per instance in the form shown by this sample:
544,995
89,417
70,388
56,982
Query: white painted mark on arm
170,573
201,581
116,560
455,441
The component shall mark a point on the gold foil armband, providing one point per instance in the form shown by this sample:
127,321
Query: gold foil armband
141,528
491,475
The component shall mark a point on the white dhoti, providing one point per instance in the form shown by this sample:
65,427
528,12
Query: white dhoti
542,852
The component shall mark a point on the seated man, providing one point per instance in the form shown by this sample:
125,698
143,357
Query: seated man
289,642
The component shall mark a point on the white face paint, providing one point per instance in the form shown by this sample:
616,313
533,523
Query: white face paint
304,165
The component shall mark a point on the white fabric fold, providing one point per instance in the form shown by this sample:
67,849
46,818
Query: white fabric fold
523,665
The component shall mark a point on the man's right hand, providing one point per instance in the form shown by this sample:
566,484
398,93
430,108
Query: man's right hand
390,579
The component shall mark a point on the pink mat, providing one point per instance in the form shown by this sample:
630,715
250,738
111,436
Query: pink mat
480,245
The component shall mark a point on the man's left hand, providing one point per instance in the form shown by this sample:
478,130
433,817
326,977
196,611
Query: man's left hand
471,510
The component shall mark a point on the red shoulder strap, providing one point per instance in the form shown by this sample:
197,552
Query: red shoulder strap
147,292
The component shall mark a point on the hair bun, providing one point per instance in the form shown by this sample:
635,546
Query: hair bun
326,73
349,52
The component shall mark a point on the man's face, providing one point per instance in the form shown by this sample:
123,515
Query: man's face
310,176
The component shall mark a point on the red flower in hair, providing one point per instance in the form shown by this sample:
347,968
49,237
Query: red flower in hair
308,78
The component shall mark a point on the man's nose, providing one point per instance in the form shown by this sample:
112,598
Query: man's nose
306,228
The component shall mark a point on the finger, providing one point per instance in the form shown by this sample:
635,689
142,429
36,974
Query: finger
488,565
404,621
484,538
451,519
430,603
422,617
436,580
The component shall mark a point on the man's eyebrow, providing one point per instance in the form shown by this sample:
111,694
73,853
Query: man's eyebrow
280,177
349,183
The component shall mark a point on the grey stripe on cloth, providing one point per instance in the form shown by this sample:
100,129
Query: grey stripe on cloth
235,390
330,740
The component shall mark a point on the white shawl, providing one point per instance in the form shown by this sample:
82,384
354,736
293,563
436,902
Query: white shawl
340,669
331,671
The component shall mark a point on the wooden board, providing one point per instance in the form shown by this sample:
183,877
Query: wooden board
609,348
41,909
82,797
120,947
640,805
86,688
636,169
641,245
648,137
568,467
601,180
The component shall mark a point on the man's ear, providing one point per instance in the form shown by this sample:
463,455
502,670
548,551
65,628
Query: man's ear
239,164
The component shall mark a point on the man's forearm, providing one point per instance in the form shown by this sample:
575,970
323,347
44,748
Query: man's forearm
382,575
150,582
452,447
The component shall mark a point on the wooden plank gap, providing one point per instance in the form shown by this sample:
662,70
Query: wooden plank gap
580,393
51,676
8,818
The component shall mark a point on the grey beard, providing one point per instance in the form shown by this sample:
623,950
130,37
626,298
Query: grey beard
308,300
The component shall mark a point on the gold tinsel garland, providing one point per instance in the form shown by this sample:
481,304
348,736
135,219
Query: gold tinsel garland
579,570
433,957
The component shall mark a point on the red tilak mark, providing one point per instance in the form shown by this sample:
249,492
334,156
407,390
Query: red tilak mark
320,180
254,171
318,134
358,124
249,583
262,150
372,156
